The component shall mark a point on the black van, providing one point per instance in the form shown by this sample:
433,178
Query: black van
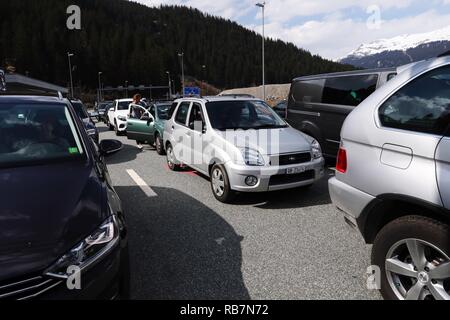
318,105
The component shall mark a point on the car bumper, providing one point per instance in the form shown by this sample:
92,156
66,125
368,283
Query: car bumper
349,200
275,177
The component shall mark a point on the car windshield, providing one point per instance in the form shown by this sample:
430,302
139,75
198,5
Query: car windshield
31,133
103,105
123,105
80,110
163,111
251,114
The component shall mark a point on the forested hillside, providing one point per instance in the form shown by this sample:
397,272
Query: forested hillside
128,41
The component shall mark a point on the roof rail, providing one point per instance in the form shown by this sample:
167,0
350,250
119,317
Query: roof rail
60,95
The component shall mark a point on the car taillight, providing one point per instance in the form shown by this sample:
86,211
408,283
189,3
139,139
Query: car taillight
341,164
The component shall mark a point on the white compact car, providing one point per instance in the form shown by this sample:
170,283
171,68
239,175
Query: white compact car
117,115
241,144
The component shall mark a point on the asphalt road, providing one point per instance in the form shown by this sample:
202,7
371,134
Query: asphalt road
186,245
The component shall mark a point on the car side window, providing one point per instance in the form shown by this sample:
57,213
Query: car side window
182,113
349,90
196,119
423,105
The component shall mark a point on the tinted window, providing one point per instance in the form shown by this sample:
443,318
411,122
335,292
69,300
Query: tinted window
349,91
252,114
422,105
308,91
37,132
182,113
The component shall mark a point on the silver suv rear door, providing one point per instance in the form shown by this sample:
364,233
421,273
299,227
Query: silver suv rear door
443,170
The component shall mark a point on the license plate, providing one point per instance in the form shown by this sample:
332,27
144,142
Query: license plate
295,170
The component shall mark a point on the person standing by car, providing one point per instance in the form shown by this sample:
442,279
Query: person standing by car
137,111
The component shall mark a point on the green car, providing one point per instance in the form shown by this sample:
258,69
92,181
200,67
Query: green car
147,126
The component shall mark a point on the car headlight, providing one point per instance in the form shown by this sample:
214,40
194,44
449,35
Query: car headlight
252,157
122,118
88,251
316,149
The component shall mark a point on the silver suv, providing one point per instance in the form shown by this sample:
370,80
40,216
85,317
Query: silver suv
241,144
393,180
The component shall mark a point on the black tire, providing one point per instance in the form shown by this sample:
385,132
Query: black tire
110,126
159,145
409,227
222,193
171,160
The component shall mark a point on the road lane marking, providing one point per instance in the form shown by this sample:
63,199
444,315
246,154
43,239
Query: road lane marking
141,183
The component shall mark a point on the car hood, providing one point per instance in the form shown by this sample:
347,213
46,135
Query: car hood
44,212
269,141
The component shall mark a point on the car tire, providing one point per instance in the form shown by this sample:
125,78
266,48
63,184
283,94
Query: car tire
171,159
220,184
159,145
401,276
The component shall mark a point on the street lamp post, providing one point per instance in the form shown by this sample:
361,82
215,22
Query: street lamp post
126,89
181,55
99,86
203,81
262,6
170,85
69,55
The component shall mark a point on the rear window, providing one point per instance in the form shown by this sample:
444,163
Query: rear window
37,133
422,105
349,90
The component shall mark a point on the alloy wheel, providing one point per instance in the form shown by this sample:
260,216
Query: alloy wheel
418,270
218,182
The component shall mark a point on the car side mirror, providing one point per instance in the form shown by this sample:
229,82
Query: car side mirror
108,147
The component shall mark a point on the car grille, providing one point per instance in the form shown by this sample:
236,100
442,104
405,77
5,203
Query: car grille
27,288
291,178
287,159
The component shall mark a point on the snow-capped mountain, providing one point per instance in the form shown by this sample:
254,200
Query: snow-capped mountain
400,50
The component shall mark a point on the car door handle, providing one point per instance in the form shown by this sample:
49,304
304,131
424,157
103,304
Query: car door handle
188,134
129,124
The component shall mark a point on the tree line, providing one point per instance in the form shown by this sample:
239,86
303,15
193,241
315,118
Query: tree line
129,41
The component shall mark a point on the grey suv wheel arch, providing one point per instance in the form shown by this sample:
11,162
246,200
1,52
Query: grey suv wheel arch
388,207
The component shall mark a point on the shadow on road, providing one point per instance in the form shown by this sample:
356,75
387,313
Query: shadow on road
180,249
127,154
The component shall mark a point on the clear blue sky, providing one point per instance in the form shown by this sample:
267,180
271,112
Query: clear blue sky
331,28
